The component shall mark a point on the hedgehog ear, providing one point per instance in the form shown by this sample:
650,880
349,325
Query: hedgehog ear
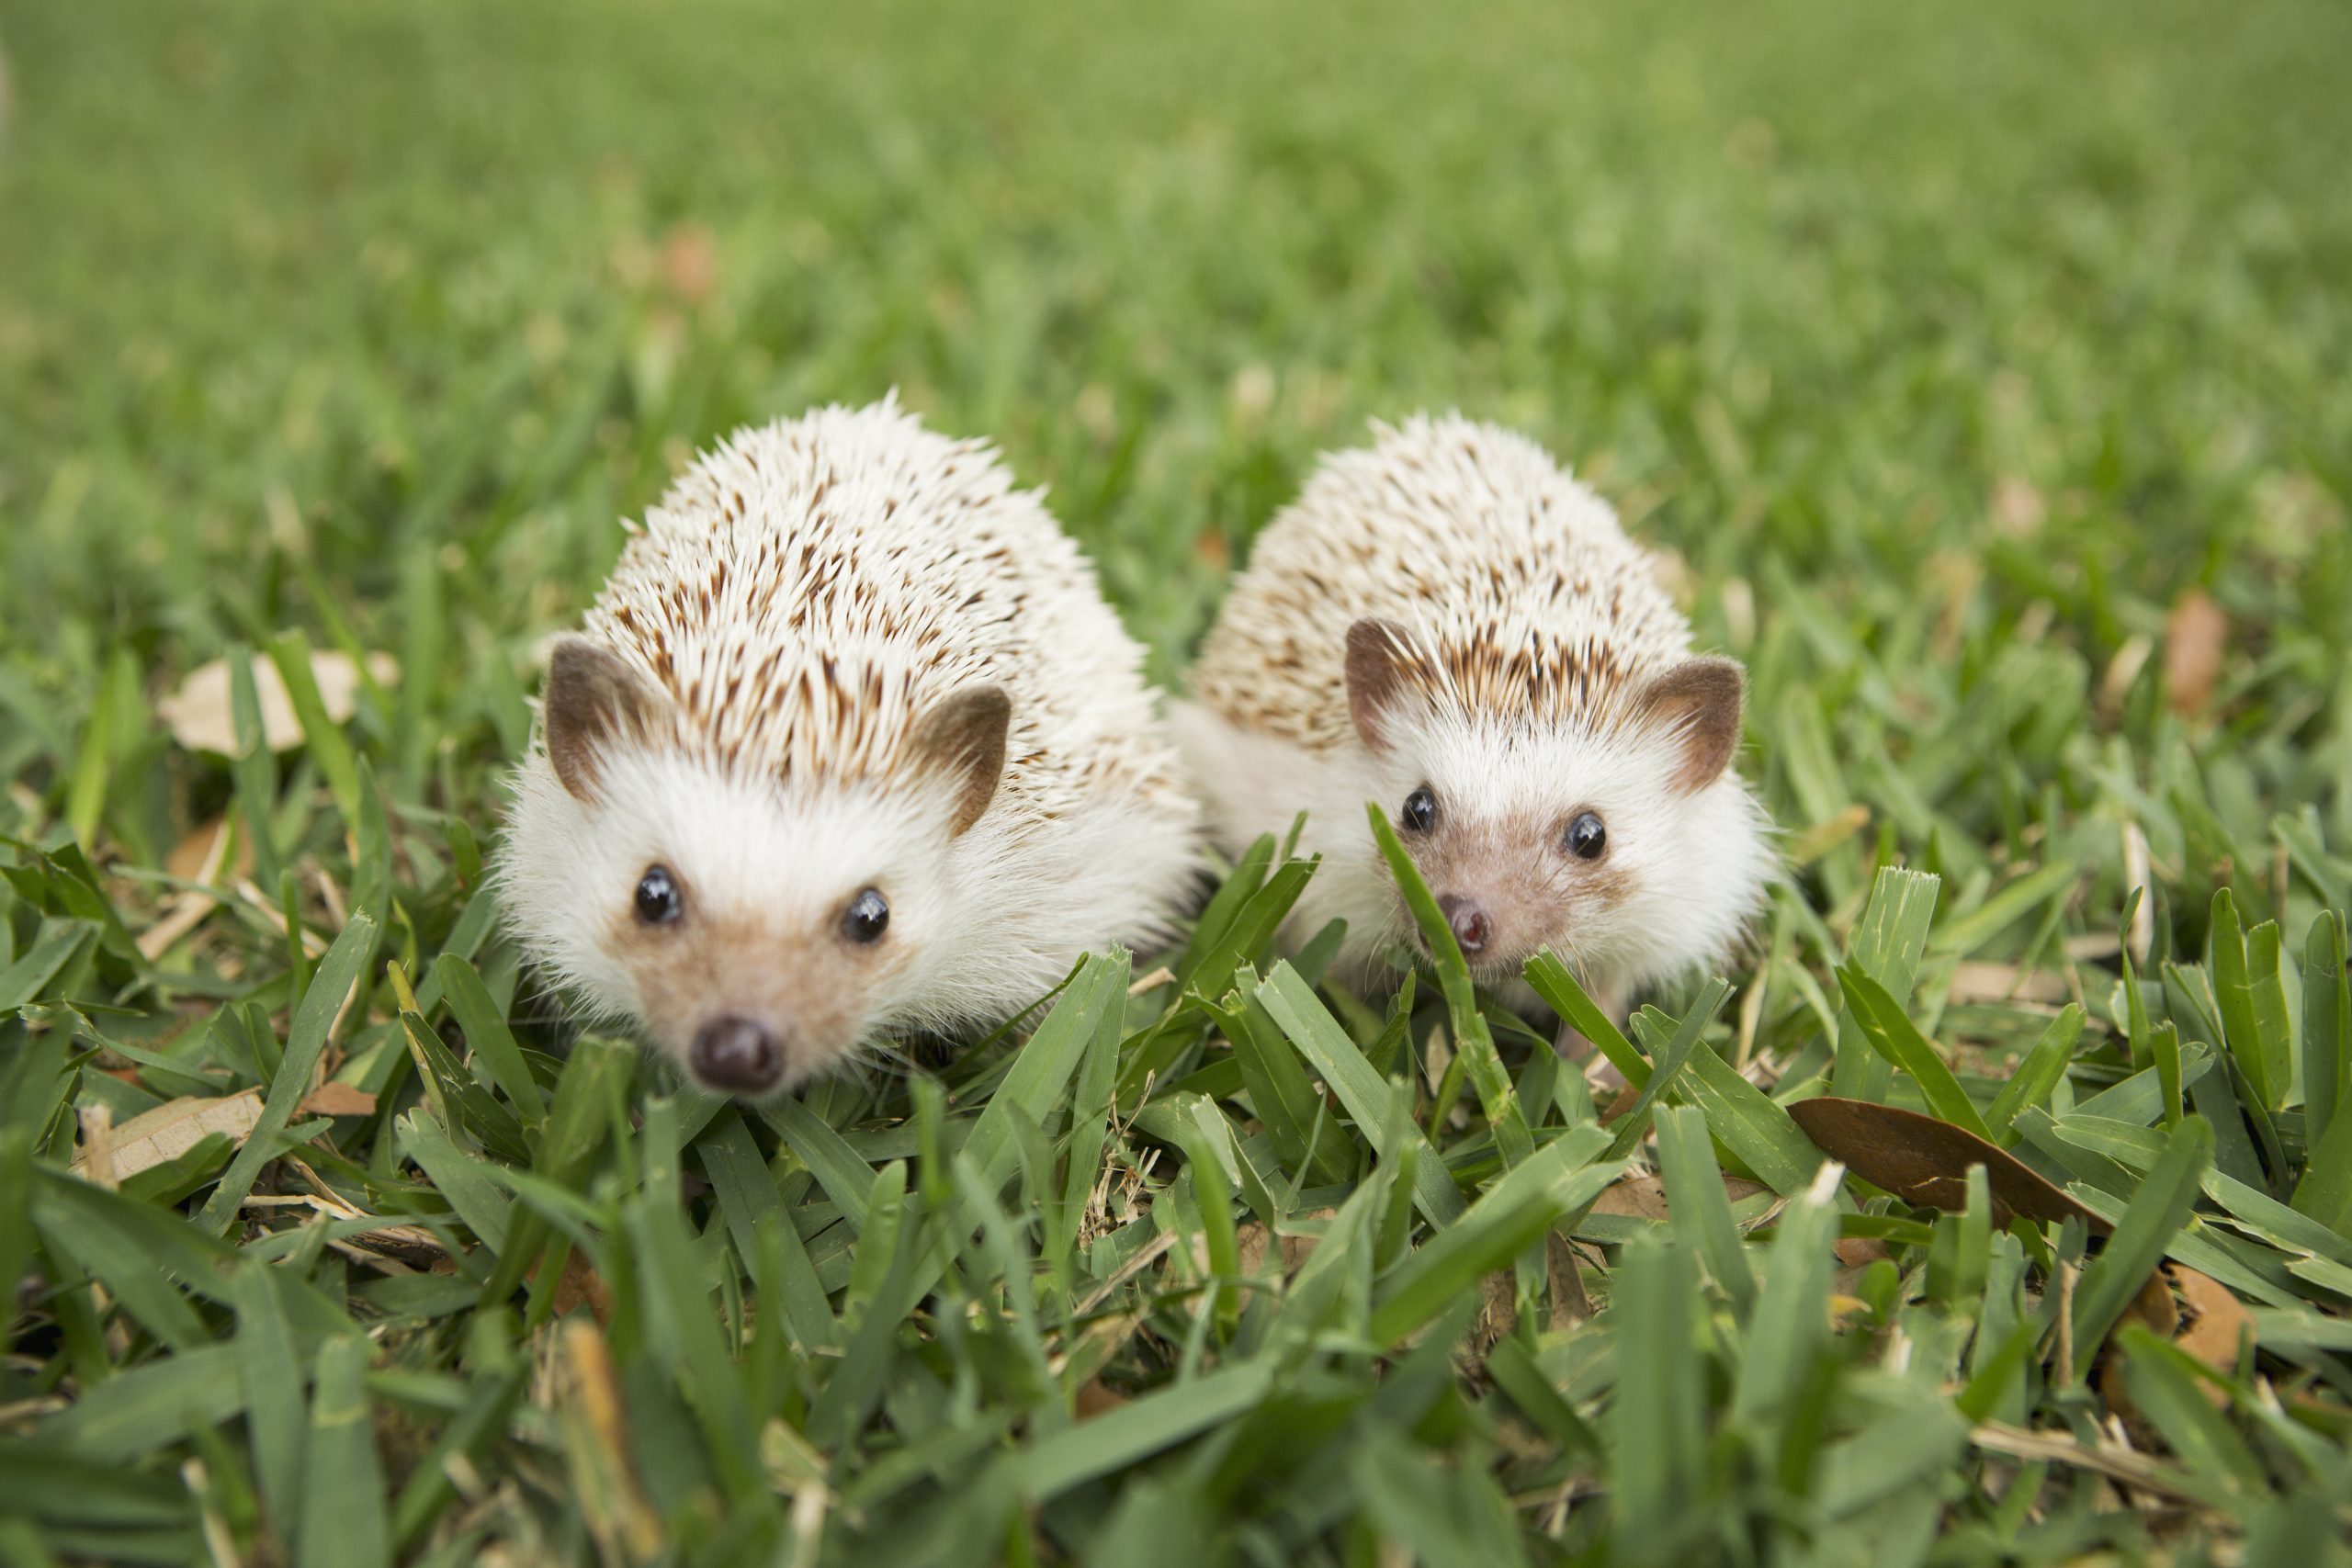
1699,702
1380,657
963,737
592,700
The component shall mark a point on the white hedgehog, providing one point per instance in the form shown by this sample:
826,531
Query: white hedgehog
850,745
1448,625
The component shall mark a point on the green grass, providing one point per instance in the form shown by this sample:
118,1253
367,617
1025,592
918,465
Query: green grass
1954,349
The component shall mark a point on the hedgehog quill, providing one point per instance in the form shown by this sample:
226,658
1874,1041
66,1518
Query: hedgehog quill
1450,625
849,745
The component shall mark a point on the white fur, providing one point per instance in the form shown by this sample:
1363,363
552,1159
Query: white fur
1481,549
801,598
1699,864
992,918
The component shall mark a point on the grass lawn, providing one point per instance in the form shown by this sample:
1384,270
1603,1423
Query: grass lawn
1985,368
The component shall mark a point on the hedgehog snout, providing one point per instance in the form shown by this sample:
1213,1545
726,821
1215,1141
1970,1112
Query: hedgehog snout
737,1055
1473,928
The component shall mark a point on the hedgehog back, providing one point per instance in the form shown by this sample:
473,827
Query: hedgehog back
1521,591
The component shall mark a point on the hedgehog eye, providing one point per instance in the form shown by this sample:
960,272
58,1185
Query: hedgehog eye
1586,837
657,899
1420,814
867,916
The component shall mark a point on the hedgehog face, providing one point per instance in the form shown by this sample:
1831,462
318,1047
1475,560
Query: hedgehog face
758,932
1625,846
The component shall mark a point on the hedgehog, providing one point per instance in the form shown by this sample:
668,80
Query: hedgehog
1449,626
848,748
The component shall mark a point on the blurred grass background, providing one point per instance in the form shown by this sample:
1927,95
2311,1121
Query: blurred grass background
1802,279
1969,357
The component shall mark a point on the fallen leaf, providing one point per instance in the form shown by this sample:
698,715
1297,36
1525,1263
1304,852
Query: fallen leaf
2206,1321
1635,1198
2195,635
1922,1160
1497,1310
1861,1251
96,1163
152,1137
1855,1254
1644,1197
1093,1399
580,1285
207,844
689,263
1250,1241
202,717
338,1099
2153,1306
2216,1319
193,858
1570,1306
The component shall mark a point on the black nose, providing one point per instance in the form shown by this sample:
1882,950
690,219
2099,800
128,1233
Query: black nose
1471,927
737,1055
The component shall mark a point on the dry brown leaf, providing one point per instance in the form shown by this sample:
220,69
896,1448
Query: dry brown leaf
580,1285
1635,1197
2153,1306
1570,1306
208,844
2217,1320
98,1147
169,1131
2207,1329
1858,1252
202,717
1093,1399
689,263
1644,1197
191,859
1922,1160
2195,635
1250,1241
338,1099
1497,1311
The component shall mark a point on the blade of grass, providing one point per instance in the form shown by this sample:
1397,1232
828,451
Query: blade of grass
1563,995
1700,1209
2249,1040
1043,1068
493,1044
1471,1039
1141,1427
1668,1058
305,1040
343,1524
2155,1215
1657,1420
1893,1035
1886,947
2327,1026
1310,1027
2037,1077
